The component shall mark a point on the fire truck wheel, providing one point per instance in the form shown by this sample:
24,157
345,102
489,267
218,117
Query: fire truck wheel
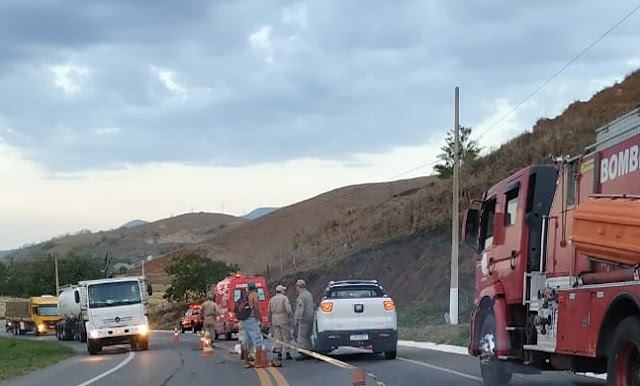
623,362
493,369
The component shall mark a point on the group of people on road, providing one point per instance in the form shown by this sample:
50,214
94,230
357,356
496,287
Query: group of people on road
281,318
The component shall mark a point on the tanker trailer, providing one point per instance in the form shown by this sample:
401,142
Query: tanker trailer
72,326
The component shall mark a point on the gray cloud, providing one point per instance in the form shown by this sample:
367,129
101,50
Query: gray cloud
156,81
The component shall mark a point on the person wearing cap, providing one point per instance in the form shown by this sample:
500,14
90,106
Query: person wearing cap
210,313
252,336
303,318
280,316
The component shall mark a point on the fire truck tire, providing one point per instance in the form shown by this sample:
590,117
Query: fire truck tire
493,370
623,361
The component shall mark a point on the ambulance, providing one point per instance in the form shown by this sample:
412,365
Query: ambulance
227,292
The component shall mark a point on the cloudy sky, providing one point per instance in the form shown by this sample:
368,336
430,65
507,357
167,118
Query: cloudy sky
115,110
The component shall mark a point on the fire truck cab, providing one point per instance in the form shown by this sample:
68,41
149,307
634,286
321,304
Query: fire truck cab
557,250
192,320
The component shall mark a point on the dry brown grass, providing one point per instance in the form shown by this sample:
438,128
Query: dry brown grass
282,235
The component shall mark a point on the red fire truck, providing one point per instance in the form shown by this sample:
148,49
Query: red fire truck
558,262
192,320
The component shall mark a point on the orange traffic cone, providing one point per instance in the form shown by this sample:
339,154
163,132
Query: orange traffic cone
207,351
201,340
176,337
359,378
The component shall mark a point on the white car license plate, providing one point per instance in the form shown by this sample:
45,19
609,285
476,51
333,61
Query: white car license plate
118,332
359,337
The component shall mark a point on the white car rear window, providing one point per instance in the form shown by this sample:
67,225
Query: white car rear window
354,292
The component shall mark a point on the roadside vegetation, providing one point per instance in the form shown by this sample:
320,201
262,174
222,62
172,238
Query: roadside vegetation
192,276
166,317
21,356
457,335
35,276
427,323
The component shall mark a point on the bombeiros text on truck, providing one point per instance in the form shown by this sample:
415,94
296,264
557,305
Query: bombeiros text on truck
557,257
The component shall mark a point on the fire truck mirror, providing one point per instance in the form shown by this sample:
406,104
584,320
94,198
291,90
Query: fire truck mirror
471,228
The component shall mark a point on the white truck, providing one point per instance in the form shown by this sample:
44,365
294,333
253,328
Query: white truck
105,312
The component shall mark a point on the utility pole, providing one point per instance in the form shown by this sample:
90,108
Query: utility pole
453,292
143,266
55,259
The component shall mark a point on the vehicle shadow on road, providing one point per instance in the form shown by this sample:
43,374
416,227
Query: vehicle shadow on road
114,350
356,357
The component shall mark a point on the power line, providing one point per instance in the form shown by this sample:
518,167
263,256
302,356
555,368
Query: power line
569,63
411,171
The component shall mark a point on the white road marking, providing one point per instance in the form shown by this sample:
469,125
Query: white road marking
463,375
110,371
435,347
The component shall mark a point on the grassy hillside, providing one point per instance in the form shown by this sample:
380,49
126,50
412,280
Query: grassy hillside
279,238
398,232
129,245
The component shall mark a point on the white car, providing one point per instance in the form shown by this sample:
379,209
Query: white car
356,313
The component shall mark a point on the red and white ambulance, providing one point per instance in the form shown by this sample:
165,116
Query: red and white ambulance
228,291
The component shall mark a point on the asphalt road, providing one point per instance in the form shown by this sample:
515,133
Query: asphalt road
170,363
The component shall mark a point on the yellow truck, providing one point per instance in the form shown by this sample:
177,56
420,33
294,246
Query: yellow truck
38,314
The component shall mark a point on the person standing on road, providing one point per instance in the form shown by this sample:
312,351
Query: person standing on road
304,318
280,315
210,313
252,336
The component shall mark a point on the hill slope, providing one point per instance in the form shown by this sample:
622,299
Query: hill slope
281,237
130,244
399,232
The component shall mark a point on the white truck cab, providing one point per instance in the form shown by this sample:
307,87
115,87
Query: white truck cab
114,312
